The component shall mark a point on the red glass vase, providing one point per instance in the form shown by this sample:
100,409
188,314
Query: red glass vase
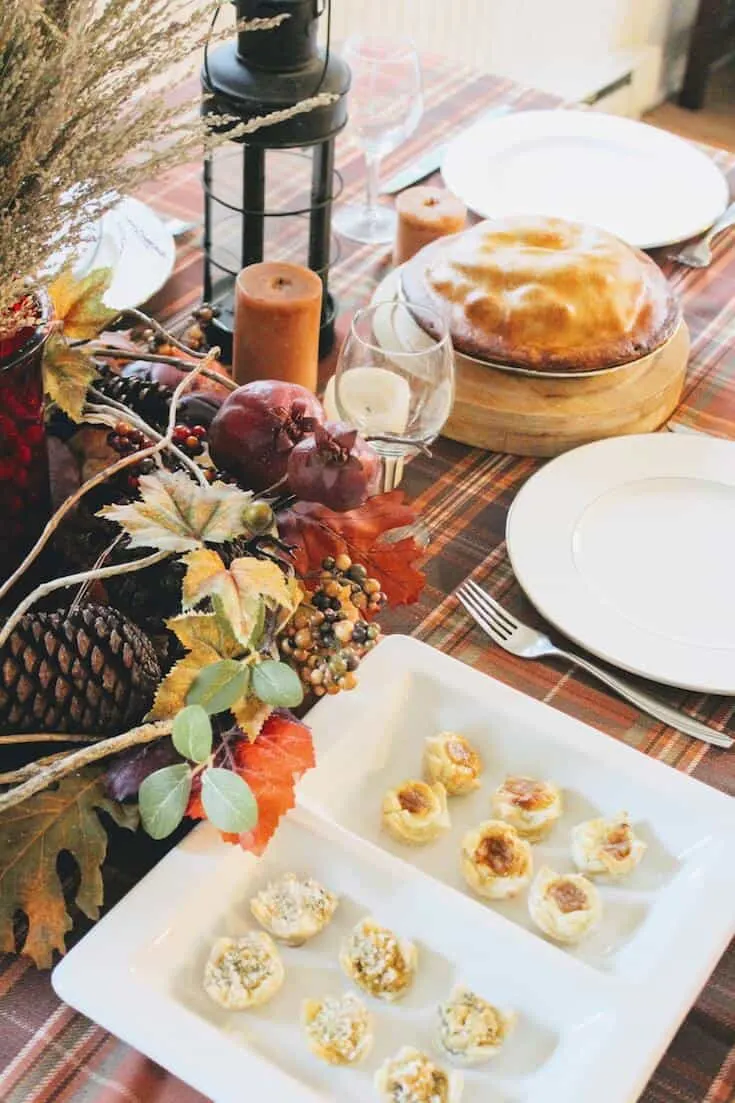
25,503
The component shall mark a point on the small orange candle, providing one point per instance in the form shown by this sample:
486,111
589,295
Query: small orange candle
277,314
425,214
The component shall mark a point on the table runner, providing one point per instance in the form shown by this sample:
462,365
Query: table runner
50,1053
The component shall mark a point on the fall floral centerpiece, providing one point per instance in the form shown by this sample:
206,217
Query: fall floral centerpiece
219,563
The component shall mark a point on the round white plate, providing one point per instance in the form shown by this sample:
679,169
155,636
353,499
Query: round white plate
138,247
645,185
627,546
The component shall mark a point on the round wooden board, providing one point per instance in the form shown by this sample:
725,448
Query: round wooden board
535,416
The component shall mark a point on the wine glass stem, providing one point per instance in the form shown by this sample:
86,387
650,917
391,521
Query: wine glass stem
372,162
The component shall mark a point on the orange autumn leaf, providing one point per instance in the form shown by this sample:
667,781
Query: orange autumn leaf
271,766
316,532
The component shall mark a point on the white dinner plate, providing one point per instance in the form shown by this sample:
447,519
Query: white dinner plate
141,251
600,1013
627,546
645,185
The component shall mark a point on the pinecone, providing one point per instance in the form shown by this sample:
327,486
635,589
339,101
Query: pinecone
91,671
149,400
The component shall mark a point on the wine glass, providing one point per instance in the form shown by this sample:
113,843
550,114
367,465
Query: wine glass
395,381
385,106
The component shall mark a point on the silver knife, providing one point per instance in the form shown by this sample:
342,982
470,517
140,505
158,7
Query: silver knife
430,161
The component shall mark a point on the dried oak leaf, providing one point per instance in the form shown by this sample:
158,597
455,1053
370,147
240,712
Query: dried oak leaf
361,533
178,515
32,835
271,766
67,373
78,303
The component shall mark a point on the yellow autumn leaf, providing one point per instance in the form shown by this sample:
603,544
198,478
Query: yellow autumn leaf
207,631
242,589
78,303
171,694
67,373
251,713
176,514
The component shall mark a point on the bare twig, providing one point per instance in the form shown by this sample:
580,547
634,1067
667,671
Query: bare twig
99,562
104,475
162,332
111,352
71,763
10,777
74,580
46,737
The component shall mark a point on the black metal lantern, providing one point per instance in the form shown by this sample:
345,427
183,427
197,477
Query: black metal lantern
269,197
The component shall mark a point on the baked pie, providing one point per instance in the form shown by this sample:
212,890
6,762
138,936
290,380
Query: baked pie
412,1077
415,812
294,909
544,294
607,847
379,962
531,806
566,906
338,1030
471,1029
243,972
451,760
495,861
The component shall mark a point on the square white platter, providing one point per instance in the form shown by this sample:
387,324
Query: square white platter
592,1021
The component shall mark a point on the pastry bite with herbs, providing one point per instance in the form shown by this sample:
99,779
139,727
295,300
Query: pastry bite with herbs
243,972
531,806
565,906
294,909
415,812
471,1030
339,1030
378,961
452,761
496,862
412,1077
607,847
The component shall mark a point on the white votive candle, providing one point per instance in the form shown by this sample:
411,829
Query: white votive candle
374,400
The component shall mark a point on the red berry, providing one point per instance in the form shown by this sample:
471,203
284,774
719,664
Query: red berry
199,431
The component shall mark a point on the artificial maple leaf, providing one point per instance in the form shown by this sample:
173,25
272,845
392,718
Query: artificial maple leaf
208,638
176,514
32,835
251,714
271,766
67,373
78,303
316,532
242,588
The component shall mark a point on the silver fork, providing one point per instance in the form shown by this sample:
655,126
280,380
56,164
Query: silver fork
699,253
507,631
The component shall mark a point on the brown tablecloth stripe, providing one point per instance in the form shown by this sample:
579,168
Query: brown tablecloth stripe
47,1052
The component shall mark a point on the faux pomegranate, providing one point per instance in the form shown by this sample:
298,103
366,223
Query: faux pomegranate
335,466
257,427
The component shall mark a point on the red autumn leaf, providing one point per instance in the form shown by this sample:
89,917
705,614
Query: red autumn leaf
271,766
317,532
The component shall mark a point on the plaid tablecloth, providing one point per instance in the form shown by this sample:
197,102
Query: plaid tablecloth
49,1053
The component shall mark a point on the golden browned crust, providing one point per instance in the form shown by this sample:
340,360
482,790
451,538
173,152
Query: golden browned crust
544,294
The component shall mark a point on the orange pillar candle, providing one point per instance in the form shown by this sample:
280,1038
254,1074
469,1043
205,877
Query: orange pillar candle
425,214
277,314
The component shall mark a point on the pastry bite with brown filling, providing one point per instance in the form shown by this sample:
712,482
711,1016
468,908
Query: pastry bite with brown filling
415,812
495,861
607,847
452,761
565,906
378,961
412,1077
531,806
